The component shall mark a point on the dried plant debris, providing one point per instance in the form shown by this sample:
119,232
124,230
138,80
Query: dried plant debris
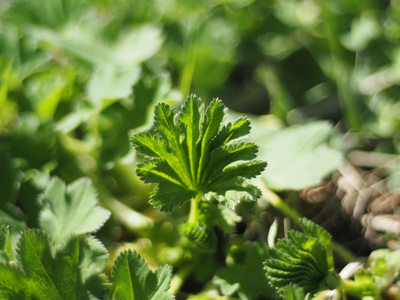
360,193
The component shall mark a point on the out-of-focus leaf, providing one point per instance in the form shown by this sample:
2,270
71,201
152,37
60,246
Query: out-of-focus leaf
52,14
10,214
138,45
8,180
82,113
72,209
248,279
110,83
133,279
298,156
46,91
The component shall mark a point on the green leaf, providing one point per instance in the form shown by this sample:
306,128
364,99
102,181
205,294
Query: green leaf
292,292
174,193
302,259
230,132
209,128
298,156
110,83
13,283
191,152
133,279
71,270
6,252
312,229
71,209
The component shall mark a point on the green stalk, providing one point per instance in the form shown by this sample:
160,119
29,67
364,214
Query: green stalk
342,71
179,278
358,289
279,204
194,208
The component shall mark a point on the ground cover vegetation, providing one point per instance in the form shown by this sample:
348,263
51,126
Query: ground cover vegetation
170,149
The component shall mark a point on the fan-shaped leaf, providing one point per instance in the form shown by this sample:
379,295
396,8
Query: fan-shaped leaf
71,209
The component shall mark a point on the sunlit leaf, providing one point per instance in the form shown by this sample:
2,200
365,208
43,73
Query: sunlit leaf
190,151
298,156
133,279
71,209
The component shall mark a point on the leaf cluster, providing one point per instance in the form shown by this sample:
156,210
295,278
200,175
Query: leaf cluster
190,152
74,269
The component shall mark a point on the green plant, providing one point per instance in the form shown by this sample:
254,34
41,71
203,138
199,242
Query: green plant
74,269
194,158
302,266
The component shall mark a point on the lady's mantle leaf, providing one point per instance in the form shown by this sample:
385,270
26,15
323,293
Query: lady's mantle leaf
302,259
292,292
42,272
71,209
190,152
134,280
298,156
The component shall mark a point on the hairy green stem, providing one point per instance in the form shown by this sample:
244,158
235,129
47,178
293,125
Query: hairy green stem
194,208
278,203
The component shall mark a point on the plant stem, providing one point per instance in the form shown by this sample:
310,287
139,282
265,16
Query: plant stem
359,289
278,203
179,278
343,68
194,208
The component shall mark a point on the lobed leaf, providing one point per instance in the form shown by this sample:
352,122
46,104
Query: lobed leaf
191,152
312,229
302,259
190,120
133,279
71,209
73,271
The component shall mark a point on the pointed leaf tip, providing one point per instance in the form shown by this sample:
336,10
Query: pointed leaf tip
133,279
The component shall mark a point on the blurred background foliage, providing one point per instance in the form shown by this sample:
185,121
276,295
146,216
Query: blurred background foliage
77,78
